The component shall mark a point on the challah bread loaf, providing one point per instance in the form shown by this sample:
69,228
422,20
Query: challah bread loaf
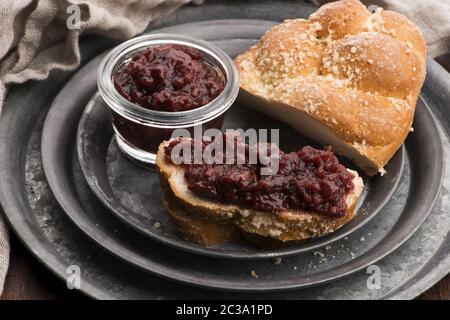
343,77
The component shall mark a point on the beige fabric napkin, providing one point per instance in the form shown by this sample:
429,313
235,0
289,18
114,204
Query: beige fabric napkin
37,36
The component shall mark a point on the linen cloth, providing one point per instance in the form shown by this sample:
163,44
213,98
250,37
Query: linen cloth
37,36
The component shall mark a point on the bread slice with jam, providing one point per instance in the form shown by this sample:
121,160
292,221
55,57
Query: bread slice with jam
204,221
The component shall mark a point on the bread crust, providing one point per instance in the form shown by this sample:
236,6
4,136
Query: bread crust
195,229
192,212
350,75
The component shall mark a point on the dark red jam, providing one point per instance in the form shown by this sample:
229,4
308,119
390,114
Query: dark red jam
309,180
149,138
169,78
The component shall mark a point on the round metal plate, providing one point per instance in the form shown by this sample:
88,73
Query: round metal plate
43,227
58,142
133,193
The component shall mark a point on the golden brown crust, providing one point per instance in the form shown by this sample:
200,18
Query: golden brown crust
192,213
401,28
196,229
358,74
340,18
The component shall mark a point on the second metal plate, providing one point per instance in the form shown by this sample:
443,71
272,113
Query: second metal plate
133,194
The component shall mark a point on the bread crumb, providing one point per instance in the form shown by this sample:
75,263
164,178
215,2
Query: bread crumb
157,225
274,233
362,239
321,256
253,274
245,213
318,253
277,260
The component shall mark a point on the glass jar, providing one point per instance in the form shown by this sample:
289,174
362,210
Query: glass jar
138,130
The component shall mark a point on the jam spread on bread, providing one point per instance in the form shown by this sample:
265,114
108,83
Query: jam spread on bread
169,78
308,180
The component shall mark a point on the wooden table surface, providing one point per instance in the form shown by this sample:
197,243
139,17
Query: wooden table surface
28,279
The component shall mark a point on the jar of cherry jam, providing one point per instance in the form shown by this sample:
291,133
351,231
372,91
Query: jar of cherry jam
157,83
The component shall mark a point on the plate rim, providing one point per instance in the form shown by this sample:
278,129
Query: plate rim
288,286
183,245
13,210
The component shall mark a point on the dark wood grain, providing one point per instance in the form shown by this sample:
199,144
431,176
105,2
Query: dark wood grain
441,291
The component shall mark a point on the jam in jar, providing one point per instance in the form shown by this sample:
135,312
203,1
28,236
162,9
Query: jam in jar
169,78
155,84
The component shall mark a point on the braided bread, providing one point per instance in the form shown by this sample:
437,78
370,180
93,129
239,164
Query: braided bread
343,77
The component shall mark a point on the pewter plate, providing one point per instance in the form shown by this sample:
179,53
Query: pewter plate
133,193
61,170
40,223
